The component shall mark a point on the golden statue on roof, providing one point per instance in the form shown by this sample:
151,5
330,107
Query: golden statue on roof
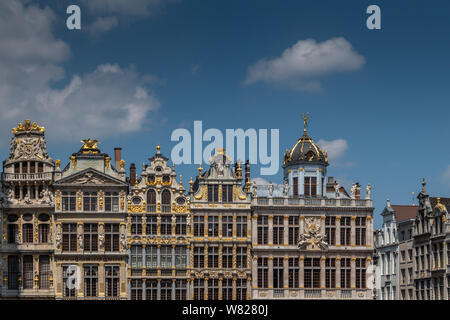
90,146
27,127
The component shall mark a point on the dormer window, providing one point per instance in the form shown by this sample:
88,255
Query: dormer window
227,193
166,178
310,186
151,178
213,193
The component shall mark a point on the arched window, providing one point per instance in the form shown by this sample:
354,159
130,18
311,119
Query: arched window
165,201
151,200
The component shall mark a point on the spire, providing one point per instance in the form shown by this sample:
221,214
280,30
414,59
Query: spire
158,149
423,185
388,203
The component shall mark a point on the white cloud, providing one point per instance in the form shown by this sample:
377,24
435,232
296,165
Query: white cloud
336,150
108,100
302,65
103,24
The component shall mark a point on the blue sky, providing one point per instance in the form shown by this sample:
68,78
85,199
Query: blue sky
192,58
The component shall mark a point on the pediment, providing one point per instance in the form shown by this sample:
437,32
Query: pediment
90,177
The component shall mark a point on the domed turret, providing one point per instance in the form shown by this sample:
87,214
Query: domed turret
305,166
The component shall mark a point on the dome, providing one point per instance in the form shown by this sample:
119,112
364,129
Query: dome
305,151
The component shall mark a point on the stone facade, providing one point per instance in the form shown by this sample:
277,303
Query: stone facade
87,231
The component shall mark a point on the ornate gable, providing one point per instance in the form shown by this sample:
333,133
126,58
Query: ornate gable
90,177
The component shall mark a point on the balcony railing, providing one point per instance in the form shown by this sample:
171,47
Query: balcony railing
27,176
346,294
151,208
278,293
309,294
166,208
316,202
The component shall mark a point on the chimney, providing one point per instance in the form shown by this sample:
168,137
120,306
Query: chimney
133,174
247,172
117,157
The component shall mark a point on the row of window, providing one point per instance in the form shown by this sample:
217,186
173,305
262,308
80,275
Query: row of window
311,273
212,257
90,281
293,230
151,226
153,257
28,167
28,233
27,271
213,288
90,241
90,201
213,222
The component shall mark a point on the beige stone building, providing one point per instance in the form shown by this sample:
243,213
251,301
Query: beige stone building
26,205
221,246
310,238
90,226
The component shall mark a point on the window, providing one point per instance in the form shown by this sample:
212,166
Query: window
44,272
152,225
27,272
180,289
345,273
310,186
151,258
241,226
112,281
227,289
166,256
136,225
69,231
293,230
165,203
278,230
199,289
111,237
90,201
69,200
151,290
27,230
166,225
136,256
345,231
69,288
241,289
213,289
361,273
227,193
199,226
166,289
43,233
90,280
151,200
13,234
241,257
330,230
227,226
403,255
180,257
227,257
278,273
180,228
263,229
199,261
213,257
330,273
213,226
213,193
136,289
312,272
111,201
360,229
90,237
13,272
263,273
295,186
293,272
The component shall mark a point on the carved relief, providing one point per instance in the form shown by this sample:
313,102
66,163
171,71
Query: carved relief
313,236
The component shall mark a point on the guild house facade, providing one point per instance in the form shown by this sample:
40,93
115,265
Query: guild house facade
90,230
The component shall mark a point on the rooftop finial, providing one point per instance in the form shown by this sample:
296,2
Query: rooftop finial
305,116
158,149
388,203
424,183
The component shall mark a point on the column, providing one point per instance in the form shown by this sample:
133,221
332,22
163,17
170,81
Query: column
353,232
255,272
206,225
234,226
36,271
249,226
369,231
286,231
205,261
220,287
101,280
254,231
322,272
220,223
270,266
338,231
158,289
81,284
338,272
271,230
301,266
286,272
353,272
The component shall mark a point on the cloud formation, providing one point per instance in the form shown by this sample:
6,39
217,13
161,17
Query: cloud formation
103,24
336,150
108,100
303,65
